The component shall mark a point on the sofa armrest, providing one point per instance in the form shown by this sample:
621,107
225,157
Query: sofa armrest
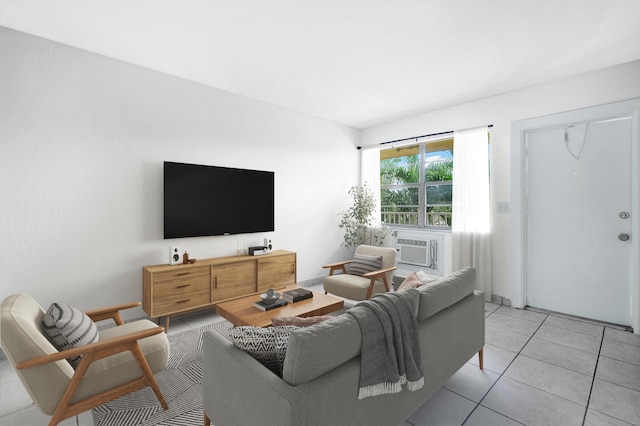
238,390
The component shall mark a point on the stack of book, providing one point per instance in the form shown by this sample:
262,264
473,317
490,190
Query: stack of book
293,296
268,306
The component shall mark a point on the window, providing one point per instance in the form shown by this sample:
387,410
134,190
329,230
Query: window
416,184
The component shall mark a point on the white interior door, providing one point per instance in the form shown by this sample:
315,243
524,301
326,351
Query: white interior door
578,209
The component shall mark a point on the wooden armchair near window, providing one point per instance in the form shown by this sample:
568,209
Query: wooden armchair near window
123,360
361,287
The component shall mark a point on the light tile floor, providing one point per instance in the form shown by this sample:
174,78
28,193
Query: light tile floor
542,369
539,369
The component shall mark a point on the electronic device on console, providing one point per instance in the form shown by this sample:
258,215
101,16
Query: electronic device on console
258,250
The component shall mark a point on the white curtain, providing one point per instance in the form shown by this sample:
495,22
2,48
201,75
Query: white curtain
471,233
370,174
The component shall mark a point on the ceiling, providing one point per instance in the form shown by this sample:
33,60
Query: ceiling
354,62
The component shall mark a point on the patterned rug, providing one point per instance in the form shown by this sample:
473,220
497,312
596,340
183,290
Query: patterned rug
180,382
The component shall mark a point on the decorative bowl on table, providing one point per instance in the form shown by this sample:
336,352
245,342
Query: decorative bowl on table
270,296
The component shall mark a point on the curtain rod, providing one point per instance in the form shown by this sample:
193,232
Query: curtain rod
423,136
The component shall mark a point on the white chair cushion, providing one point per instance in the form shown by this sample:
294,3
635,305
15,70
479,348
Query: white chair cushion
351,286
120,368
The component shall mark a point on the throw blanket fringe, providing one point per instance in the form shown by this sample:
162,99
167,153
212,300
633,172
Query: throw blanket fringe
390,355
388,388
379,389
414,386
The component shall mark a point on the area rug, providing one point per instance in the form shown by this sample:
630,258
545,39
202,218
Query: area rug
180,382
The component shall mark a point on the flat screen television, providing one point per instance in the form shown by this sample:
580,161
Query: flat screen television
204,200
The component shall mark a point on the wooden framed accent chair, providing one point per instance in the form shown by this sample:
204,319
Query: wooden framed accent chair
63,383
369,272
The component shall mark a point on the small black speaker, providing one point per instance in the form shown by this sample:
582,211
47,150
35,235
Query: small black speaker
267,244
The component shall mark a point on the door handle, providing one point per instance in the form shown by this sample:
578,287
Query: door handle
624,237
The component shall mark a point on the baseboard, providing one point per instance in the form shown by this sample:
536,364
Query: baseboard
310,283
500,300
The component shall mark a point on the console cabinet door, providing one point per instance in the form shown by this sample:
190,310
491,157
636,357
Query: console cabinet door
276,271
233,280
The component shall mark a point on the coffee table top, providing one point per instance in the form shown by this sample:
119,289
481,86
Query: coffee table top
242,312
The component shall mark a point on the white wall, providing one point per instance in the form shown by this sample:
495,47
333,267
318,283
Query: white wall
595,88
82,143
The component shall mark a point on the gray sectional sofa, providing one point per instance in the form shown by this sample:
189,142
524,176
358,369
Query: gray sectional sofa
321,371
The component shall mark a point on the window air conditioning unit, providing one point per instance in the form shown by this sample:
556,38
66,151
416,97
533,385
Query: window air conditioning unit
424,252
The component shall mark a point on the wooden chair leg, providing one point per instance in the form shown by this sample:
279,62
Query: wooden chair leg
64,410
480,359
149,379
370,291
386,283
207,421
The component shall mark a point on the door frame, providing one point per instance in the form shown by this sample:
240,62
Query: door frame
519,130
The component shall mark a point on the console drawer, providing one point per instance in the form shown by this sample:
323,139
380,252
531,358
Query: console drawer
181,274
181,287
182,301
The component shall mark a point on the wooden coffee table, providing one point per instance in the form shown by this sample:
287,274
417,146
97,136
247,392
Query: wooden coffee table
242,312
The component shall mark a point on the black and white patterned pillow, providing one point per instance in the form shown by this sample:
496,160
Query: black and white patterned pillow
67,327
362,264
267,345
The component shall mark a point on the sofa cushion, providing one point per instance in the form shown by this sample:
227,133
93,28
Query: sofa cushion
437,295
299,321
362,264
267,345
314,351
68,327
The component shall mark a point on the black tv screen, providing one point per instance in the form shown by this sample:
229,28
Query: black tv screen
204,200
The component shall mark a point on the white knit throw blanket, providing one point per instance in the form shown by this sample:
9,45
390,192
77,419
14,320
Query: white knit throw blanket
390,345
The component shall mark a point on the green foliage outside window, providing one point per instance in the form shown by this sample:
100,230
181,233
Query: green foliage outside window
401,185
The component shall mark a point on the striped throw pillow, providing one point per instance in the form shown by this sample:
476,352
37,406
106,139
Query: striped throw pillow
67,327
362,264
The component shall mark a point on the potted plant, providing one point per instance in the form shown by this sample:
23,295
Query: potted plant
359,221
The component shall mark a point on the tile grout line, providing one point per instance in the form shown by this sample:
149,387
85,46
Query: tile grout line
594,371
548,315
520,353
502,374
603,380
599,354
586,409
